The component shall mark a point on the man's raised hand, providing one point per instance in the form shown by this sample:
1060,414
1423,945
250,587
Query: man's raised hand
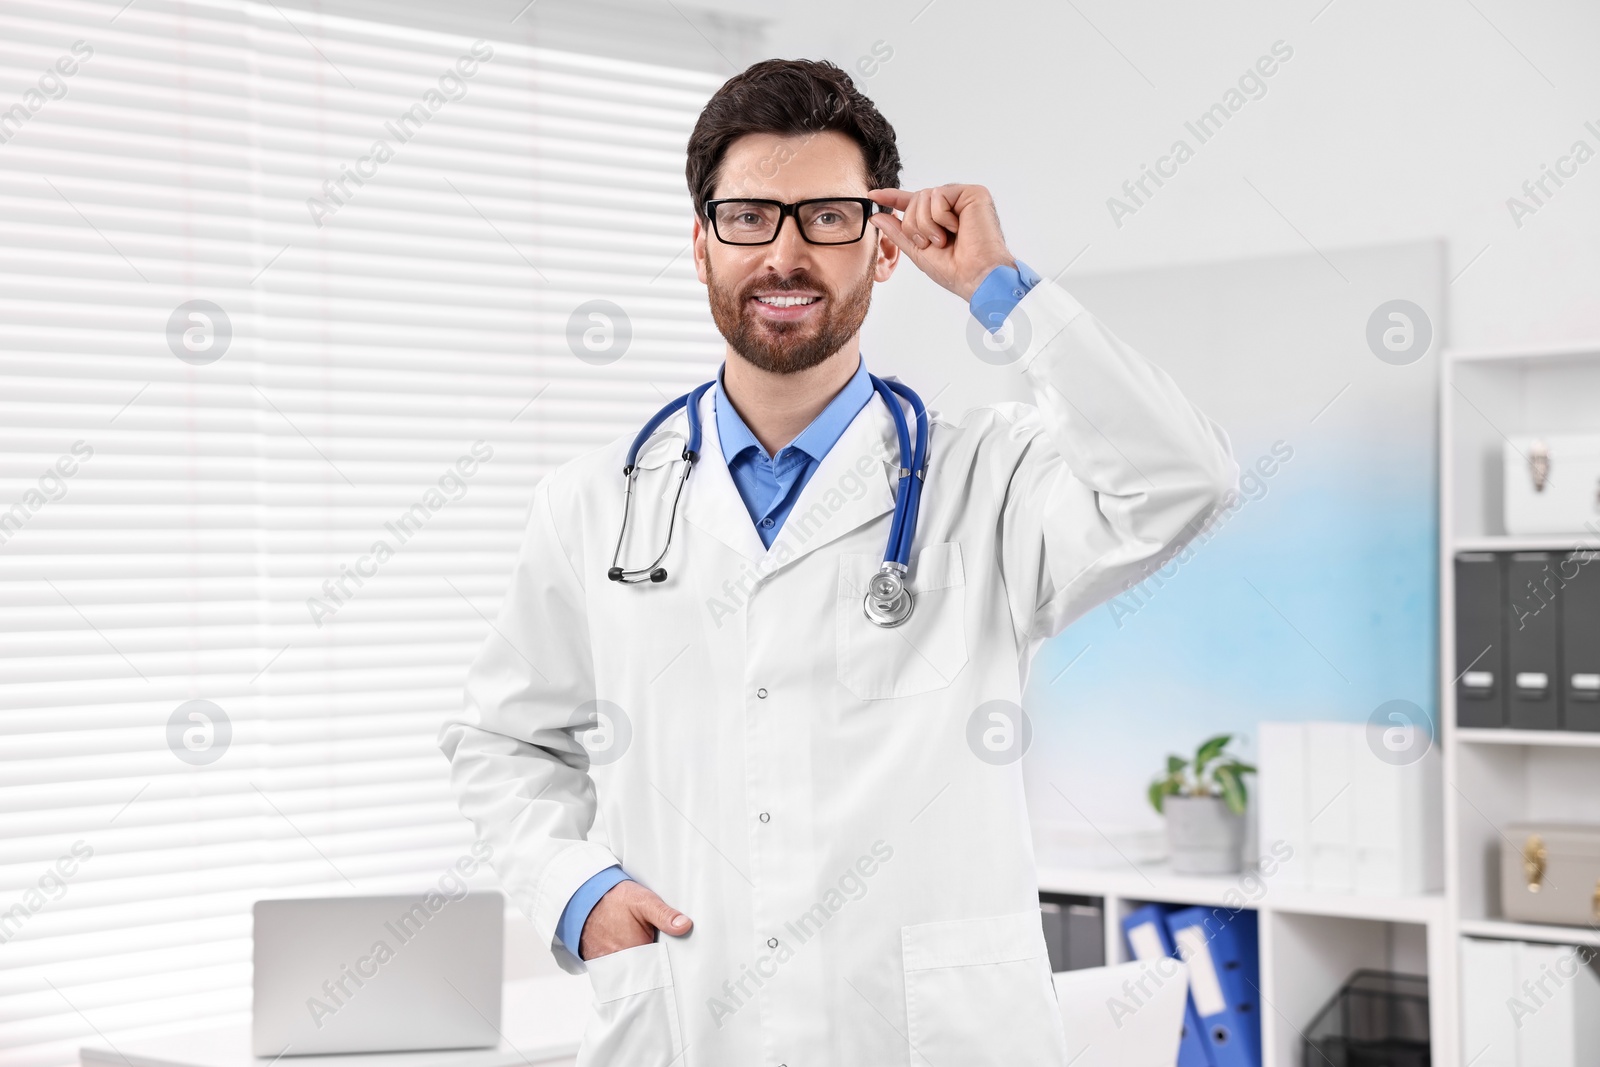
951,232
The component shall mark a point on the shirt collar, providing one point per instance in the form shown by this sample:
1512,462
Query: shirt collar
816,439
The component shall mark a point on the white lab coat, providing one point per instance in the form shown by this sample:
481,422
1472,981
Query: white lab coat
805,785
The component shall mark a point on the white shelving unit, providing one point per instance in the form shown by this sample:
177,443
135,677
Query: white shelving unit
1498,776
1310,942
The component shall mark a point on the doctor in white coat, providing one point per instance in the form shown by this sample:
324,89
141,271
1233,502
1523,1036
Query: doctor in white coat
819,821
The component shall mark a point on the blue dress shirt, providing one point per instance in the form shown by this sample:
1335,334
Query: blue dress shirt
770,485
999,292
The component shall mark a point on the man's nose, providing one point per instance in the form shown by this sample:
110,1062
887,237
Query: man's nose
788,250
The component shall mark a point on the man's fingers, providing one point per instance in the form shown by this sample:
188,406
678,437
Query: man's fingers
920,215
895,198
891,226
941,209
913,226
662,916
920,229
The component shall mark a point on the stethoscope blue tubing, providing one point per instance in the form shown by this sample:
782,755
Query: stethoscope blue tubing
692,399
908,494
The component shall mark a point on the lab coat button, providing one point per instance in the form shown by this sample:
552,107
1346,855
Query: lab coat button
765,817
772,942
762,693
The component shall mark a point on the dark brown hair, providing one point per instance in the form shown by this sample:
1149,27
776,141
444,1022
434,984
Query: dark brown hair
789,96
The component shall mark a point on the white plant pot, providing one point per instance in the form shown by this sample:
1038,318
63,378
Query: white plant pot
1203,836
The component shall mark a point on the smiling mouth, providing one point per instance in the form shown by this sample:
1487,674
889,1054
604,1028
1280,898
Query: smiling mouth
786,301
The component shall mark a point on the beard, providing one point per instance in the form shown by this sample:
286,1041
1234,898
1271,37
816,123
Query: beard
789,347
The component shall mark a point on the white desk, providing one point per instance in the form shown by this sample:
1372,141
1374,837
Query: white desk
541,1021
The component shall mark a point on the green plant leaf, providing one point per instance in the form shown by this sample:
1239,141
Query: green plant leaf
1161,788
1232,789
1210,750
1176,764
1240,767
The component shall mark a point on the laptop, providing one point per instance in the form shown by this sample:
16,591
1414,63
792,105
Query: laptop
377,974
1130,1015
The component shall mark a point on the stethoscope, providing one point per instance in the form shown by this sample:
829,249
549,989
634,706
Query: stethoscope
888,602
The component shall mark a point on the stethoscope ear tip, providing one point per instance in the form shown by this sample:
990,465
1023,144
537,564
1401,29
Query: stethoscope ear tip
659,574
615,574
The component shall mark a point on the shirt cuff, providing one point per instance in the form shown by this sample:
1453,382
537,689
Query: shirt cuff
995,297
576,913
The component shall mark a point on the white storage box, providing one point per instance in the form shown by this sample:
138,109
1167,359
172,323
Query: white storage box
1355,822
1528,1005
1552,484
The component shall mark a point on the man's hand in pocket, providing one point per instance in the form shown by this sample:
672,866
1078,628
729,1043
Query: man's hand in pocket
628,916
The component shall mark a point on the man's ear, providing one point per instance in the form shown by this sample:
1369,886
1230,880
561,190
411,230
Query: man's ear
888,257
698,247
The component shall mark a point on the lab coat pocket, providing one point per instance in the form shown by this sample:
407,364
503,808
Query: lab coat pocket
635,1017
978,993
923,653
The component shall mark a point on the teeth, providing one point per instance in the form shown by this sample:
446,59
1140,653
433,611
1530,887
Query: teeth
787,301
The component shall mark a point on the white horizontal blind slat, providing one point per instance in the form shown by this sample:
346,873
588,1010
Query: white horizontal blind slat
211,509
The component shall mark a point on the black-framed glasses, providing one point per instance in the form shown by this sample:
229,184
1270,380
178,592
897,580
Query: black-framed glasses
833,220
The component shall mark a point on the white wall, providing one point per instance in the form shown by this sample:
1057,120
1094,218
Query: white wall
1391,122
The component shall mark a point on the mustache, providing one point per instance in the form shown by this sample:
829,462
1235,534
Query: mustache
784,285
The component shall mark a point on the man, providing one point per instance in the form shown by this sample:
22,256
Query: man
825,815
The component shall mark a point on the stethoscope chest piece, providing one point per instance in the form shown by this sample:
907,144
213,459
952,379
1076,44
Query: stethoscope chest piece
888,601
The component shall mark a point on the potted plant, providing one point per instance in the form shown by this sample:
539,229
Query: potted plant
1203,801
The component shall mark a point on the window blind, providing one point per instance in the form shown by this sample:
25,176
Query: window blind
297,307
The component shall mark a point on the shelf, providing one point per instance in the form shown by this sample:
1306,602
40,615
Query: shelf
1510,931
1526,543
1154,882
1550,738
1524,355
